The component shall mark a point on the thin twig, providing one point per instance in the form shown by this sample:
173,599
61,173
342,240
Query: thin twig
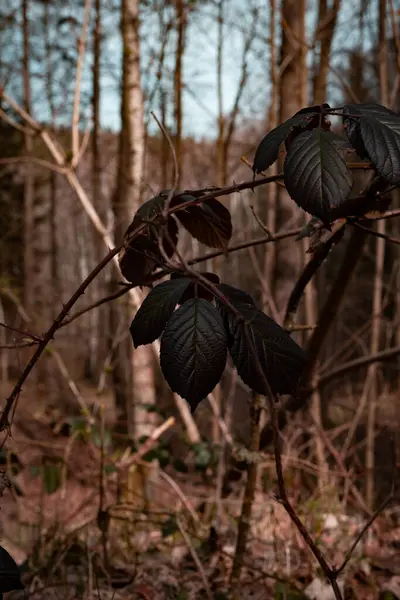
176,168
180,495
26,334
127,461
196,558
383,236
197,260
32,159
4,417
261,224
372,518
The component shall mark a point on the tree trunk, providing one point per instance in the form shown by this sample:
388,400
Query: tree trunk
133,372
378,288
292,97
134,394
324,34
99,333
327,18
29,190
38,292
267,195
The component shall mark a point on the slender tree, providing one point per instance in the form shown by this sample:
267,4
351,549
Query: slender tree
292,97
133,372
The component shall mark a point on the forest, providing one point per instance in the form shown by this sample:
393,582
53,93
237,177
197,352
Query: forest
200,299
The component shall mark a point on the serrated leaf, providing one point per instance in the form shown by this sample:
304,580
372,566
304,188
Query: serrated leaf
10,577
280,358
351,114
374,131
352,129
209,222
140,257
235,296
158,306
316,117
367,109
268,149
316,175
381,138
193,350
196,288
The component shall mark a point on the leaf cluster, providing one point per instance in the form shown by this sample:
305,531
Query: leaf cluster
207,221
200,320
198,329
316,170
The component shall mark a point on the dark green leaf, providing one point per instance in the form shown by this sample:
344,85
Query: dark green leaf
374,131
193,350
381,137
141,256
235,296
151,318
209,222
10,577
369,109
351,115
151,208
196,288
268,150
280,358
316,117
316,175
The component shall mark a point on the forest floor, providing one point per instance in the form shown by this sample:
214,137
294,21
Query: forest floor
169,538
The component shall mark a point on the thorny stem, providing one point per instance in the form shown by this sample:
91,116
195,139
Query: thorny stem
330,574
57,323
244,525
193,261
4,417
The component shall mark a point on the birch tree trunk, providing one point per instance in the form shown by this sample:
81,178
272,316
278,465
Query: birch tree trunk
133,371
37,230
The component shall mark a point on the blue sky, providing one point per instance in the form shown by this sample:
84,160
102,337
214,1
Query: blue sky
200,99
200,61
